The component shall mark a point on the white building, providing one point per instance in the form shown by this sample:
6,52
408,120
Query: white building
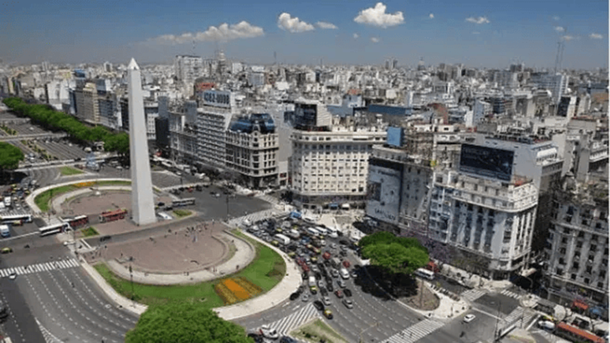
557,84
329,162
481,110
188,68
490,221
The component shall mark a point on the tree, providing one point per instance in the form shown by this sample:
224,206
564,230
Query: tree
184,322
10,156
395,257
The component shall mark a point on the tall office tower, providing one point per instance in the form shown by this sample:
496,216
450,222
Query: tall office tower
188,68
142,201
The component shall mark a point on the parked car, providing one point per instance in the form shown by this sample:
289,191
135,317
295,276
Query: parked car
469,317
295,296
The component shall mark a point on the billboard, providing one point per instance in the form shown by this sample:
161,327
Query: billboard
489,162
395,136
383,193
217,98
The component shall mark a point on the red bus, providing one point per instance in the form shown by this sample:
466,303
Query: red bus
78,221
110,216
575,334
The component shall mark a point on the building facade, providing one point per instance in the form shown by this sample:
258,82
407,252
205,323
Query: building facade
213,119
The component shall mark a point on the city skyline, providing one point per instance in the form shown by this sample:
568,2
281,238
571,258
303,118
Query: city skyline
477,34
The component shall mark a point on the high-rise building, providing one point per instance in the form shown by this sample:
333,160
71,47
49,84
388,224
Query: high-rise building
557,84
213,119
188,68
182,124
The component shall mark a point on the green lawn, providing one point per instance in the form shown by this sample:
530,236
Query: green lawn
67,171
90,231
42,199
182,213
267,269
317,330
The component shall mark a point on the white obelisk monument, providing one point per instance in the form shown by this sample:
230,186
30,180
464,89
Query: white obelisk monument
142,200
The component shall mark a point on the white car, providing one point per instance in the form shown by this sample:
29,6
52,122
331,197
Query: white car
469,317
268,332
326,301
348,303
305,297
12,276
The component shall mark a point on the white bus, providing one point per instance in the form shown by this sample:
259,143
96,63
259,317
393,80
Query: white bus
25,218
183,202
322,230
424,273
313,231
54,229
283,239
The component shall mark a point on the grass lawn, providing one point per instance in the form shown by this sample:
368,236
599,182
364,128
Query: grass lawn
267,269
66,171
90,231
317,330
182,213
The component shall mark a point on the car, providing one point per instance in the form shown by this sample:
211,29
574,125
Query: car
329,286
323,291
545,324
334,273
343,253
321,283
469,317
348,303
339,294
347,292
269,332
7,250
326,301
354,274
333,245
313,290
305,297
12,276
346,264
341,283
286,339
295,296
328,314
318,305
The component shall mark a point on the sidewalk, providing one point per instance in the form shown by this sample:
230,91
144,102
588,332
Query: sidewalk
472,280
244,254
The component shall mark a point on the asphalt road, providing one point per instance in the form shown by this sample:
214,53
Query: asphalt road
389,316
21,325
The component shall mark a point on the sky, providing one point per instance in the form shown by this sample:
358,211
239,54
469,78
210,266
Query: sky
477,33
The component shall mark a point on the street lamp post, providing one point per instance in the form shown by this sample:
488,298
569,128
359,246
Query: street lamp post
131,277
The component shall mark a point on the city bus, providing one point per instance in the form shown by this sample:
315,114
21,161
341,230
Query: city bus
77,221
424,273
54,229
23,218
110,216
183,202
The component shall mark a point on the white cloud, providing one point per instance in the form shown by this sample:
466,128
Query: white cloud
596,36
559,28
431,16
294,25
224,32
568,38
325,25
376,16
374,39
478,20
556,18
356,36
476,32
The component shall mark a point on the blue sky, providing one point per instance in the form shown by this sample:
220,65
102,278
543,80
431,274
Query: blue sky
478,33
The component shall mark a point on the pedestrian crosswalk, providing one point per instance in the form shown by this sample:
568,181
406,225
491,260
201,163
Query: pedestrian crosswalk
268,198
293,321
510,294
415,332
520,312
39,267
48,336
473,294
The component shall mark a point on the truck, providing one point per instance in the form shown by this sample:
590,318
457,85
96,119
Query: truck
5,231
336,262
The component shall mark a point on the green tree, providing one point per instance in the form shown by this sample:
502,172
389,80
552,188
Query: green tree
395,257
183,322
10,156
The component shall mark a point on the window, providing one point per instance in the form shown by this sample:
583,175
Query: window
575,265
587,281
600,285
573,276
581,234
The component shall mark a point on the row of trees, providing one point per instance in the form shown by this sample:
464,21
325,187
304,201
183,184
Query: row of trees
53,120
10,156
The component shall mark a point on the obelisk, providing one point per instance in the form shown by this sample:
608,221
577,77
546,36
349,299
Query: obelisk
142,200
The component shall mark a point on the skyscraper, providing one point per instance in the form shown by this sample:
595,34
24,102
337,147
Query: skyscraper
142,201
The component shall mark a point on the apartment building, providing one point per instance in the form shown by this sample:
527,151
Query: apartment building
489,220
576,251
183,133
252,146
329,162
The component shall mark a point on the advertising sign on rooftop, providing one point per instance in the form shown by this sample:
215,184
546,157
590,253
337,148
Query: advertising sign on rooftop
489,162
217,98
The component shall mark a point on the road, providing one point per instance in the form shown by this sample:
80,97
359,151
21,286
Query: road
391,317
